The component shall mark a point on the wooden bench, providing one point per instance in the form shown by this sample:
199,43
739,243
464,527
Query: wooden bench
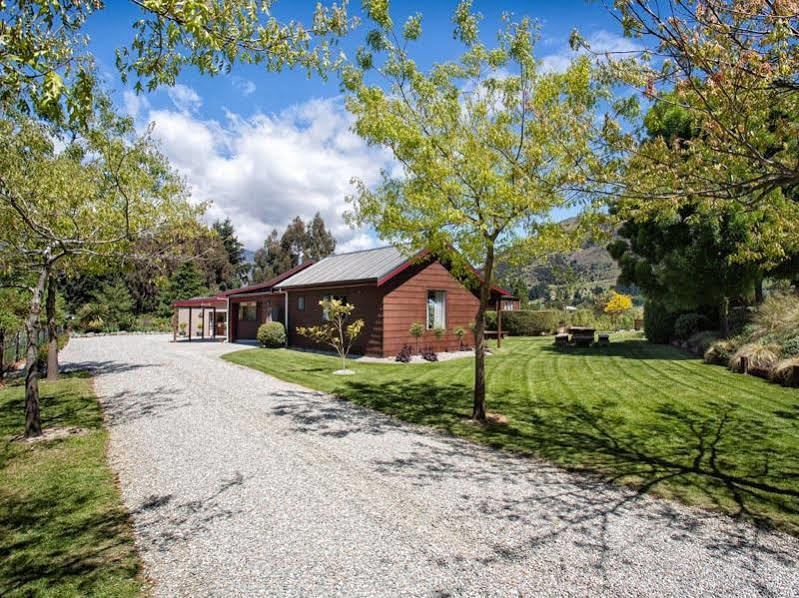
604,339
562,339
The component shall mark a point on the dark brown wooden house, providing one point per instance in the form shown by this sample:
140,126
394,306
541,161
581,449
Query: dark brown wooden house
390,292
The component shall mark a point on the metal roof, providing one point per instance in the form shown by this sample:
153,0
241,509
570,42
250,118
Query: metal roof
370,264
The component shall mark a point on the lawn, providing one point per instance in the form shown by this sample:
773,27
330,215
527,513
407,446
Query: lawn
63,530
636,413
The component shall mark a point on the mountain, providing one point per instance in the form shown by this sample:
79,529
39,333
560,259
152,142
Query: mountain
589,267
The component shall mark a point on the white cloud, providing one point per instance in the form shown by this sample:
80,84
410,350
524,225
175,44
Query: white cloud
184,98
263,170
359,242
245,86
600,41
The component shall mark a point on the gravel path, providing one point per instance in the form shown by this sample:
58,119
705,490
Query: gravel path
241,484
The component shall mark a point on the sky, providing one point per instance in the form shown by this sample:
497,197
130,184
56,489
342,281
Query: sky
265,147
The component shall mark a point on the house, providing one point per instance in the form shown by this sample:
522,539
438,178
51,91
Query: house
390,291
202,317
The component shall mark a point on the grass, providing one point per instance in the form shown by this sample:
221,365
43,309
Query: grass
638,414
63,530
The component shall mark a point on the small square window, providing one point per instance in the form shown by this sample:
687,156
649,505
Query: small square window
301,303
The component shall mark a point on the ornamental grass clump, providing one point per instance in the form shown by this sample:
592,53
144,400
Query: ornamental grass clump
720,352
786,372
755,358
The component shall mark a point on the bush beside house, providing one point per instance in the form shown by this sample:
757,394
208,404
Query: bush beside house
271,335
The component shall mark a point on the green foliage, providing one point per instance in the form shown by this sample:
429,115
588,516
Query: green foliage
439,332
280,253
654,398
184,284
658,322
790,348
45,68
272,335
689,324
235,254
416,330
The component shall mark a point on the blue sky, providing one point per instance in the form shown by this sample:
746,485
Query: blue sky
264,147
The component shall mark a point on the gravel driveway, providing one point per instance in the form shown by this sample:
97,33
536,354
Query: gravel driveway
244,485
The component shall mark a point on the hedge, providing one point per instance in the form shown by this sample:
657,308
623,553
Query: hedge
547,321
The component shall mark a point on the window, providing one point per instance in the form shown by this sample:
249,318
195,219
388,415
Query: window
507,306
301,303
247,311
436,309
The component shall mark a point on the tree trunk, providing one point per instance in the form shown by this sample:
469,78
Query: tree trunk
724,317
759,290
479,408
33,420
52,333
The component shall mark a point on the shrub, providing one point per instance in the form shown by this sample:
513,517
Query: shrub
532,323
429,355
778,315
720,352
271,334
700,342
404,356
786,372
689,324
658,323
755,358
790,348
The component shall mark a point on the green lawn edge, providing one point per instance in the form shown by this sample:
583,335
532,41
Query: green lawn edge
638,414
63,528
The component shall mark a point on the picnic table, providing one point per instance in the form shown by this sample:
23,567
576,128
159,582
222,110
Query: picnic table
582,336
494,333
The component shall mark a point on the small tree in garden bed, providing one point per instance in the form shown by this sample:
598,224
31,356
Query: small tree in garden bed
335,332
416,331
460,333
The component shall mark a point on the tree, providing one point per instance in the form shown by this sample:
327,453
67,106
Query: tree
733,68
416,330
185,283
485,145
298,240
45,69
617,305
336,332
321,242
270,260
77,210
235,252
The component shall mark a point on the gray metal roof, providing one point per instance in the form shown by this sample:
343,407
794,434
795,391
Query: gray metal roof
370,264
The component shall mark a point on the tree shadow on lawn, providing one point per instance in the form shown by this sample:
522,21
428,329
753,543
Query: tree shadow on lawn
721,456
625,349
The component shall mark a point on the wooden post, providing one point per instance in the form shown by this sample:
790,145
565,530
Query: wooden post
213,326
202,324
189,323
499,323
175,325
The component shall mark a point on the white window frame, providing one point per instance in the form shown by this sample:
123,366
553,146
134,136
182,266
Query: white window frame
440,309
